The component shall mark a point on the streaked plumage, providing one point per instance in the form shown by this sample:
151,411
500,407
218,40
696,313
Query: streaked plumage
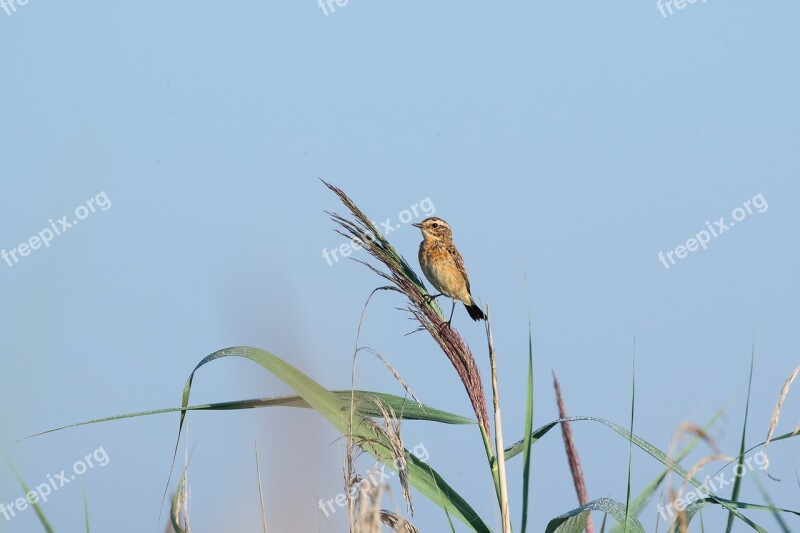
443,266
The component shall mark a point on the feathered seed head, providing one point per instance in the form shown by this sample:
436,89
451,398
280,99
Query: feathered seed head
424,309
434,228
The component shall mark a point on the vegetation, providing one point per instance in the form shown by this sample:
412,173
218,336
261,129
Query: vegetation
371,423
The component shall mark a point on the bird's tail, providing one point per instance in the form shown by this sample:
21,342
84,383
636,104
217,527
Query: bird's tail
475,312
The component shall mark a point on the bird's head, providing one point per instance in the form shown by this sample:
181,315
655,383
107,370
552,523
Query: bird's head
434,228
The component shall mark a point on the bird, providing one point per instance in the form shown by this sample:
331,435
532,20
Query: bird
443,266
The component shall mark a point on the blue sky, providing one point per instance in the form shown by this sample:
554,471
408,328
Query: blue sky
567,145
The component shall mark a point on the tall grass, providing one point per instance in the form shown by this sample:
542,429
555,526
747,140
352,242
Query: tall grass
371,423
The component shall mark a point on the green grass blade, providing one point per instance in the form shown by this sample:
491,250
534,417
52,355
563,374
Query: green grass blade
640,502
86,508
36,507
651,450
696,506
760,444
405,409
737,484
769,502
574,521
526,466
447,515
630,442
337,412
796,475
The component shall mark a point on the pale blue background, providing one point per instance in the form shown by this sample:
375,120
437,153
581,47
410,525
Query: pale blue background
567,143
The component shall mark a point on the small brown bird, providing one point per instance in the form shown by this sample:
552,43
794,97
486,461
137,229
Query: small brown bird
443,266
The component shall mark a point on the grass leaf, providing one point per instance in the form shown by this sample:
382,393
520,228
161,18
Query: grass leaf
574,521
696,506
737,484
337,411
406,409
526,464
86,508
630,443
651,450
640,502
36,507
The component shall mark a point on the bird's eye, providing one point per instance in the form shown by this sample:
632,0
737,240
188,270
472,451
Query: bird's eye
435,225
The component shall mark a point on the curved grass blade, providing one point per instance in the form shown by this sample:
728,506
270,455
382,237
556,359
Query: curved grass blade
696,506
574,521
337,412
775,514
651,450
751,448
640,502
405,409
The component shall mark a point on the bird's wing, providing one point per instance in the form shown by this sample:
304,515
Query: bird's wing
459,262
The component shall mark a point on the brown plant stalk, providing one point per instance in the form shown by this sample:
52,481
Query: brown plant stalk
404,280
572,455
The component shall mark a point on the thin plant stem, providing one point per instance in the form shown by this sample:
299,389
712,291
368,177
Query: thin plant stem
260,491
498,432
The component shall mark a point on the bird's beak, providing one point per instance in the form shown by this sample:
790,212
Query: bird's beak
417,225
